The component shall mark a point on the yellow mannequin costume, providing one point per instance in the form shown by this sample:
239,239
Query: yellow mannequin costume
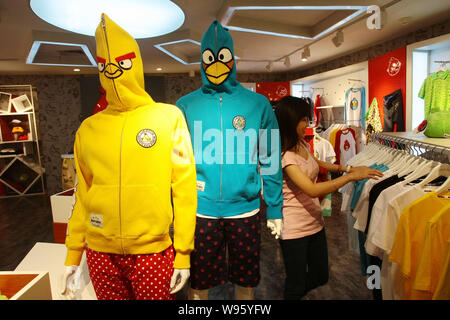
132,159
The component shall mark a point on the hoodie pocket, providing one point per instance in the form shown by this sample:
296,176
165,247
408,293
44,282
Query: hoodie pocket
145,211
102,204
240,182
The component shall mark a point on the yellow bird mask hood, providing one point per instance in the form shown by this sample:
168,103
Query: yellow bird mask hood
120,67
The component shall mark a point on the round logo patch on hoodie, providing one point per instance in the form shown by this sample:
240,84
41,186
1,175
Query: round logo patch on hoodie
239,122
146,138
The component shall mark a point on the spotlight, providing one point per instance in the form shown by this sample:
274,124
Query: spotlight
338,39
287,62
306,54
269,66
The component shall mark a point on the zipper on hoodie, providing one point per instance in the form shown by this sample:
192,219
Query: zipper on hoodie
120,149
120,183
221,147
109,57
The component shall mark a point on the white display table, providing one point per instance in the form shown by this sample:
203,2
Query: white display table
50,257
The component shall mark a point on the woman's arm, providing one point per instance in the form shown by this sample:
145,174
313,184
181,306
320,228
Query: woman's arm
330,166
314,190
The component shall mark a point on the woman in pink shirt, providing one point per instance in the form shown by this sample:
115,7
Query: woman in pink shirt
303,240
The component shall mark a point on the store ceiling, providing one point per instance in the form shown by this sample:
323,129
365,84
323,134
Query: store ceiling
295,28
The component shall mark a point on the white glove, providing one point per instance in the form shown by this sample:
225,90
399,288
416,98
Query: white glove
71,281
178,280
275,225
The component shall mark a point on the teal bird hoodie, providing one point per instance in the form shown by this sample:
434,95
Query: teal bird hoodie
234,134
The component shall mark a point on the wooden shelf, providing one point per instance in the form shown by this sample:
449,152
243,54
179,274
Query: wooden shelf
21,174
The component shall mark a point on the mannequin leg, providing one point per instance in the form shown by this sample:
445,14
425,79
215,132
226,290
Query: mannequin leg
244,293
198,294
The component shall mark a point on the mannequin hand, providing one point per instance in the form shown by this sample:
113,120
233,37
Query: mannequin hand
275,225
71,281
179,278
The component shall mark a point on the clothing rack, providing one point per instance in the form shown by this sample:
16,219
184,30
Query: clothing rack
418,148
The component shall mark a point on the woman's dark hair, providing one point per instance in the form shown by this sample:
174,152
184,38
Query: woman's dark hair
289,111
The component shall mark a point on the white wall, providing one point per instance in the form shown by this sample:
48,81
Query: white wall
334,84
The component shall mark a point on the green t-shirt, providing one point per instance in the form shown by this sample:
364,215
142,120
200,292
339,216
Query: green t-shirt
436,94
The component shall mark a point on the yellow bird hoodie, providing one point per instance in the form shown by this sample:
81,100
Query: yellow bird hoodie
133,160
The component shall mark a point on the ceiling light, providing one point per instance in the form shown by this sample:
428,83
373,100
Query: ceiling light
306,54
405,20
140,18
158,69
269,66
287,62
76,70
338,39
72,47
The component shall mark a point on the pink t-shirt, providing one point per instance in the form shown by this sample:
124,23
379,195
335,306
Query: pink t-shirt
302,215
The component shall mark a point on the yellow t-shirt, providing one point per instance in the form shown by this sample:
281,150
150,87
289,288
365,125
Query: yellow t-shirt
432,258
333,137
409,240
443,288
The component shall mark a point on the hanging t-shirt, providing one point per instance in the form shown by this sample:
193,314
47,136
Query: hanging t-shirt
443,288
409,240
373,120
435,91
359,185
361,211
432,257
376,191
393,112
355,107
317,104
302,215
345,145
323,150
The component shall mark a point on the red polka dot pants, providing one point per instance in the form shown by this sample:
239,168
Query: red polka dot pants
131,277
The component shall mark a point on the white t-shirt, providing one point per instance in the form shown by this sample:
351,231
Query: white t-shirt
361,211
381,234
355,107
384,237
323,150
347,147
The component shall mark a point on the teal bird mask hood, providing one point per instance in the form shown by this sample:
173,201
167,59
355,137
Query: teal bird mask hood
218,67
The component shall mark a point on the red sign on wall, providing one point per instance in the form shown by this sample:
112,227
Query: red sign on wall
387,73
274,91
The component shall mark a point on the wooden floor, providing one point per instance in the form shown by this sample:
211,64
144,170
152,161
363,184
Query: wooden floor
27,220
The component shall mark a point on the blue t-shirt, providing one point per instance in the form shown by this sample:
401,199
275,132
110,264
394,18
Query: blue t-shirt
359,185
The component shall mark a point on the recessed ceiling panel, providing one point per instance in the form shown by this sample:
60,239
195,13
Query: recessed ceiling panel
60,54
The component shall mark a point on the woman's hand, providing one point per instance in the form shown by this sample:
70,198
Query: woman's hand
359,173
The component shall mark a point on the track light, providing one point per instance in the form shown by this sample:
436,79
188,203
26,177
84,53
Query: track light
338,39
306,54
287,62
269,66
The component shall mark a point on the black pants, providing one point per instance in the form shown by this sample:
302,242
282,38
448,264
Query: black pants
306,264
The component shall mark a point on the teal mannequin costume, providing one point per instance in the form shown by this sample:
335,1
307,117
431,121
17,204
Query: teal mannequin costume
226,187
236,144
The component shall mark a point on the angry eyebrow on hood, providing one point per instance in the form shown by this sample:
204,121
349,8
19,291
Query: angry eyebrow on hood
130,55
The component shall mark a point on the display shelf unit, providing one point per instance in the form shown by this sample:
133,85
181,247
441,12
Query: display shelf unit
21,170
